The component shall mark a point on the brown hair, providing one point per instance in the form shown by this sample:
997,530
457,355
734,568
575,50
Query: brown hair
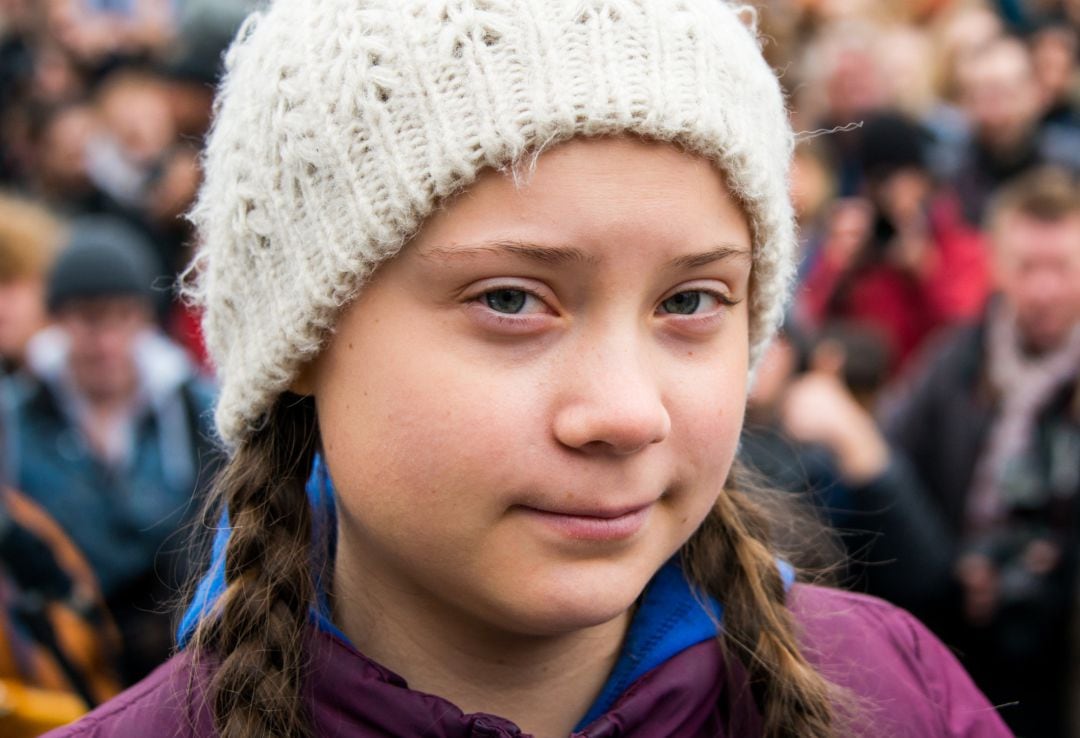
258,633
29,239
1047,194
733,557
258,628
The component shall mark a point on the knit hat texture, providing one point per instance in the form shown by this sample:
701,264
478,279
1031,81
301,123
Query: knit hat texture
342,124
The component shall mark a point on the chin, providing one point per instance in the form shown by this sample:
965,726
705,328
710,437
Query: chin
548,620
572,601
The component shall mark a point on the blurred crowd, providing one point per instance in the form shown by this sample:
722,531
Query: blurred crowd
924,395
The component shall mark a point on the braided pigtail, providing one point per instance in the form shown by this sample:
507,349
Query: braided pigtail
258,633
730,557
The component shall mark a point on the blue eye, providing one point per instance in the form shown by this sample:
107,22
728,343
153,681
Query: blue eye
683,303
506,301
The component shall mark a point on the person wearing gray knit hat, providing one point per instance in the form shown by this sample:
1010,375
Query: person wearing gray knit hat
108,430
484,282
104,257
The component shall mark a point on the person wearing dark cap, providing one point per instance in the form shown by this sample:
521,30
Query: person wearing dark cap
112,436
899,258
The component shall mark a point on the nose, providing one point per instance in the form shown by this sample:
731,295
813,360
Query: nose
611,403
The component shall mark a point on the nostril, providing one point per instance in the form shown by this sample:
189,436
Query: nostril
619,430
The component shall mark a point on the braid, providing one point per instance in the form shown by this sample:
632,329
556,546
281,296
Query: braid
729,556
259,636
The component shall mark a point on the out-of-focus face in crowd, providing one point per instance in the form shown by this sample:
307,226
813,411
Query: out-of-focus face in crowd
103,332
1000,93
1054,55
1037,264
905,59
135,109
55,76
969,29
62,160
853,85
22,313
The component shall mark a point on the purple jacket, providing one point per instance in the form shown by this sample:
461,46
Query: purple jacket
905,681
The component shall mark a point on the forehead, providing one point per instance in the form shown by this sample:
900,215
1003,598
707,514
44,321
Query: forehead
1022,236
1002,63
602,196
104,306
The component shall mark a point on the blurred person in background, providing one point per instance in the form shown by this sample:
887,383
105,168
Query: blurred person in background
899,258
138,160
29,239
58,645
36,72
121,154
1002,97
991,424
1054,51
840,84
113,438
59,170
965,27
100,31
906,57
810,431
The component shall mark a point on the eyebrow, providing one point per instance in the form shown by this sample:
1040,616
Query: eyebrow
724,252
554,255
560,255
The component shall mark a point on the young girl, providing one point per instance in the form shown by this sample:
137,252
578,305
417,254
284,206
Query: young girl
491,277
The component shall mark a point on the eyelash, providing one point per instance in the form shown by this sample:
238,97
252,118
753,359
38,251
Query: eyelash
516,318
720,297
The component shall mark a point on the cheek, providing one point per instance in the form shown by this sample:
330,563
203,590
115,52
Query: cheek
410,428
710,419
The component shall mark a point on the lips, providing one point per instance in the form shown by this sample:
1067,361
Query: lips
592,512
591,523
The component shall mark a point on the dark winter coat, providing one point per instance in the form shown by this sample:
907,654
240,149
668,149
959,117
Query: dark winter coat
1020,654
904,681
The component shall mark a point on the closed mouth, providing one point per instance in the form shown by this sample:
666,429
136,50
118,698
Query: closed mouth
592,524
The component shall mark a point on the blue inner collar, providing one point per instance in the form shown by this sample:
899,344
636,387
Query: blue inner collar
670,616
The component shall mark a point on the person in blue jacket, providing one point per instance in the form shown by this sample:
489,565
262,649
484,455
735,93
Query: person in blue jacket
111,435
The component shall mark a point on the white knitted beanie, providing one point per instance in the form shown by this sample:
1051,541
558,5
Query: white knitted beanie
341,125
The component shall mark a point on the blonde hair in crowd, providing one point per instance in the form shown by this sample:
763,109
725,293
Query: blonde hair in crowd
29,239
1047,194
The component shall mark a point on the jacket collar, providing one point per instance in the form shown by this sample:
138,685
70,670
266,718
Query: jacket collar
678,697
670,652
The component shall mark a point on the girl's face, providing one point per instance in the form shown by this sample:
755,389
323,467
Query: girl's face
533,406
